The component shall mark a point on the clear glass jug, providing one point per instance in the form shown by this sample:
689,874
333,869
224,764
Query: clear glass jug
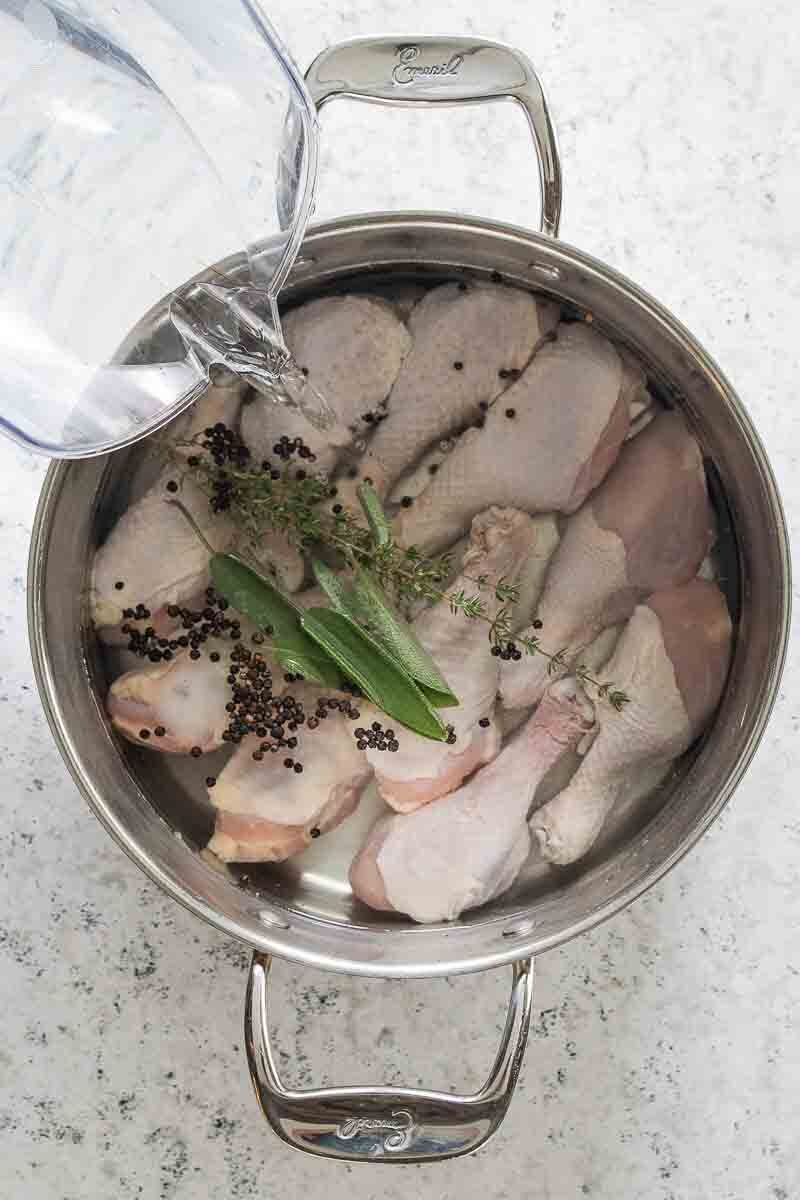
141,141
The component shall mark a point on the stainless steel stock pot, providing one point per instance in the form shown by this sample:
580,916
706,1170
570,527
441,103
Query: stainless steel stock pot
303,911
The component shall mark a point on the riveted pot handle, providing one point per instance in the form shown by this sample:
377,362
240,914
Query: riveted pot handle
440,71
384,1124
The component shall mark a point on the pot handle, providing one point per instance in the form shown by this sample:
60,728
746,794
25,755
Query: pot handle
442,71
384,1124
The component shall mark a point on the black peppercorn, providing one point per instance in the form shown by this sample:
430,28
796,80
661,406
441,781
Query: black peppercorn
407,501
172,486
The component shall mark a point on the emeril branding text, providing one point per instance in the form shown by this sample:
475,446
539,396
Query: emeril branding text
408,69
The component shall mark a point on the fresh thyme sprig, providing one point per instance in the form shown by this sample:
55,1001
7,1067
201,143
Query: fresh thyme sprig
295,502
500,634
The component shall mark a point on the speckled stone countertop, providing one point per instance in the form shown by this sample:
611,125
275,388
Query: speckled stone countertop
664,1061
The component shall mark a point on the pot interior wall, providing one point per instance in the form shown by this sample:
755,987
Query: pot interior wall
156,805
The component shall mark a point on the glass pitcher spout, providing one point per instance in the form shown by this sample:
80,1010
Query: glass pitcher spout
239,328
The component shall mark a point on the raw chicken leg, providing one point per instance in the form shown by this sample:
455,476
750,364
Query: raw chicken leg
468,847
352,348
276,557
649,526
530,578
156,556
153,550
186,697
500,541
593,657
530,581
266,812
672,660
545,445
468,342
412,483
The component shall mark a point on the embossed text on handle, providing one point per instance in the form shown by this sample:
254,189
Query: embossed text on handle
407,70
400,1126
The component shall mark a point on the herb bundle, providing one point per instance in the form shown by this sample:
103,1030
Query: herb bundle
287,496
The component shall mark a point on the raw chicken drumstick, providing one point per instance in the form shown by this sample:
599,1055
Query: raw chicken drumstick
156,556
672,660
352,348
545,445
500,542
530,577
468,847
649,526
468,343
152,551
267,811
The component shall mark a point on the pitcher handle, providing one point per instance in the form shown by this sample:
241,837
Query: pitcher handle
384,1124
441,71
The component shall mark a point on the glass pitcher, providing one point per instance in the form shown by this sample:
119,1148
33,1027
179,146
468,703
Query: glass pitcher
142,141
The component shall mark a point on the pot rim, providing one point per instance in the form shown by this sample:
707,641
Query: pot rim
521,942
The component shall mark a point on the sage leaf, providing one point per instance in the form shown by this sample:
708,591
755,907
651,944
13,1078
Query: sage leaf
377,520
397,636
249,593
374,670
333,586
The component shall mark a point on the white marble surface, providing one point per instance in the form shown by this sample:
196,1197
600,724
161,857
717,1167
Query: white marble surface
665,1058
